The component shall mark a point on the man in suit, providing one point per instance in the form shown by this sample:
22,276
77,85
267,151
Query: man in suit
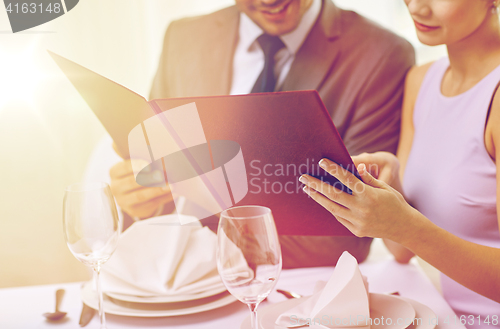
357,67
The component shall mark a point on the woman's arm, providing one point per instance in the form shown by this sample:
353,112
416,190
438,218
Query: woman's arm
413,82
475,266
492,141
377,210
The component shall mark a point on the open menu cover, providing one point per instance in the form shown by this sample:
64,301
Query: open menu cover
216,152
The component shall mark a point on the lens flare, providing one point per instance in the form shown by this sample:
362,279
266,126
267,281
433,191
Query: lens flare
19,75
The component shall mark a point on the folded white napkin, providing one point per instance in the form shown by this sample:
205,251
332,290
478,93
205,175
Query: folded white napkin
342,303
160,257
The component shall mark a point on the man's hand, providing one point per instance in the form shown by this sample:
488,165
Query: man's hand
134,199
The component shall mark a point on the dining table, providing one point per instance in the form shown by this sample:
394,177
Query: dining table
22,307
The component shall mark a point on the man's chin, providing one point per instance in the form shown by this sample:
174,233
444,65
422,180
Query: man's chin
277,28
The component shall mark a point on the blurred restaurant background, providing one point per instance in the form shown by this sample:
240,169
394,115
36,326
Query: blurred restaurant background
47,132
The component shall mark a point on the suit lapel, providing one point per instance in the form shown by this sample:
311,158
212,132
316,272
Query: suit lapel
218,51
318,53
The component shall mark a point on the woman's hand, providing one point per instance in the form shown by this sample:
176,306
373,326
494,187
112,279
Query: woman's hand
383,166
373,210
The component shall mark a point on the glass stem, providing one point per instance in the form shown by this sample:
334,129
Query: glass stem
253,316
102,316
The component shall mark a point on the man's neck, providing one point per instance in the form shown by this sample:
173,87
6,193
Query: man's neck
293,40
249,31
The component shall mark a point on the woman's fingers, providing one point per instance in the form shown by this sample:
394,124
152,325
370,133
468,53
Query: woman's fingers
333,207
343,175
386,175
369,211
383,166
361,158
331,192
368,178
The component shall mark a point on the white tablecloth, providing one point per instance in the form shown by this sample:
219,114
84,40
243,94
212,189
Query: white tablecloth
22,308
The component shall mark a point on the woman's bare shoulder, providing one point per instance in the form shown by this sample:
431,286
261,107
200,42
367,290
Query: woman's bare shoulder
414,79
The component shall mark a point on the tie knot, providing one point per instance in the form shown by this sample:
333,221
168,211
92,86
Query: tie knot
270,44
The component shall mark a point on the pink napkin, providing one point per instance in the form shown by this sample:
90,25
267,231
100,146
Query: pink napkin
342,303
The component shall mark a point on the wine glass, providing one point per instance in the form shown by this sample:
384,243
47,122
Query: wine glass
91,228
248,254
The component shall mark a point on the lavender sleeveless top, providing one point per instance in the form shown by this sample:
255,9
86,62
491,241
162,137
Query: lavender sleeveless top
450,177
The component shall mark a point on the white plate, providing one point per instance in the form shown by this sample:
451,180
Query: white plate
391,307
167,299
422,312
117,307
380,305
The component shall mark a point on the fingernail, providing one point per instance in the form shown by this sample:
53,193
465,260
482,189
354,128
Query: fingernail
322,163
303,179
305,189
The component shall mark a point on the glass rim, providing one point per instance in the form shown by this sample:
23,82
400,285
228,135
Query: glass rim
224,213
84,187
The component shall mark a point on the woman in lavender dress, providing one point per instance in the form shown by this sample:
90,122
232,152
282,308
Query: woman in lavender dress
447,164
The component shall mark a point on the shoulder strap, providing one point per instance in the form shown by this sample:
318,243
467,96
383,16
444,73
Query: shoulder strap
491,104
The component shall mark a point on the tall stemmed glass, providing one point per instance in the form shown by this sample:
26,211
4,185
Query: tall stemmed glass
248,254
91,228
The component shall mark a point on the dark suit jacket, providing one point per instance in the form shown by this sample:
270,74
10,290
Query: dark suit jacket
357,67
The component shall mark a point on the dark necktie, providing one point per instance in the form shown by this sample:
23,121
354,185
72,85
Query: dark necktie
266,80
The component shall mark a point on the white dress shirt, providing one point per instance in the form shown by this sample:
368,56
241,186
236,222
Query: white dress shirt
248,60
